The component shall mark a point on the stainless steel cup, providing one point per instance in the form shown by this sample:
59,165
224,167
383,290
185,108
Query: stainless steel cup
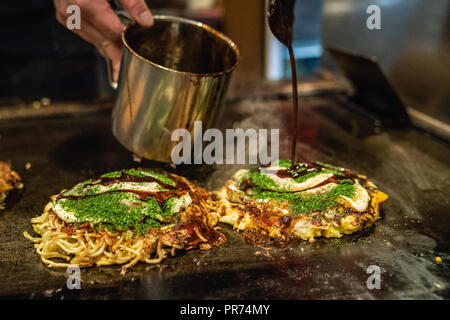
171,75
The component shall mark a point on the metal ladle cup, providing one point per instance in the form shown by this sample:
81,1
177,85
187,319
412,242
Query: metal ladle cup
171,75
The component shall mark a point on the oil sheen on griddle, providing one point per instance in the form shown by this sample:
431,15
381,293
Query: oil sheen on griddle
281,19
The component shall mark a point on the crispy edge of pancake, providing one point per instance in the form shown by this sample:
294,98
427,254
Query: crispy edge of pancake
196,227
9,179
271,218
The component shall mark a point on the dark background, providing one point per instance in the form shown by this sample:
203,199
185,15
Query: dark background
39,58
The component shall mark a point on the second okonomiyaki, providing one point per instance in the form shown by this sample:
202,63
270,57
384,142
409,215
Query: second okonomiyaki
305,201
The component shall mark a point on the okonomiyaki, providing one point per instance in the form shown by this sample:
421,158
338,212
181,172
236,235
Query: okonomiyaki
124,217
304,201
9,180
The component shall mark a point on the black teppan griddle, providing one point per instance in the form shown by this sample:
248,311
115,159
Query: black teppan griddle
409,165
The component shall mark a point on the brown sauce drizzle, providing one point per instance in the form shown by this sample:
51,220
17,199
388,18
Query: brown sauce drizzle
310,167
293,172
281,20
160,196
125,177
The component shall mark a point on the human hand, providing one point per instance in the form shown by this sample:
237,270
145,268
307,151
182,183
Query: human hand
101,27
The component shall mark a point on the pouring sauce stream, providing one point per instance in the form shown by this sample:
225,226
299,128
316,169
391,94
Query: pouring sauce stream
281,19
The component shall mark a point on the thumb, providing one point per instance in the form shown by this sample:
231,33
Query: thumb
139,11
